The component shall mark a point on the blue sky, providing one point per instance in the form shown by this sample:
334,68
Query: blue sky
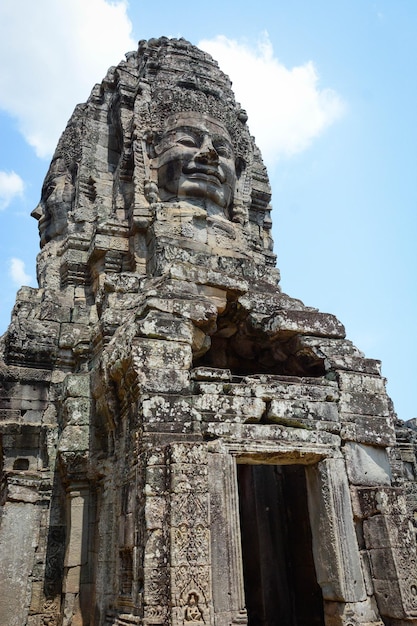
331,91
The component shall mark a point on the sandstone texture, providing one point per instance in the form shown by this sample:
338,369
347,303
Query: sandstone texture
182,443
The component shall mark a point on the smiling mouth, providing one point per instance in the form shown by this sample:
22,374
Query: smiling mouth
205,174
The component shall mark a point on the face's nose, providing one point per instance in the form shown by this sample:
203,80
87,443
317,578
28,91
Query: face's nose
38,212
207,152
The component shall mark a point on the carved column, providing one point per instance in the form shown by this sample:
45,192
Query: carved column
228,591
191,589
76,556
391,542
335,547
154,536
19,537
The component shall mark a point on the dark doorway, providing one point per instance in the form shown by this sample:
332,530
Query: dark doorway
278,568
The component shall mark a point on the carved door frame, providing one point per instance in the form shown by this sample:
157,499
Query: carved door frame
335,549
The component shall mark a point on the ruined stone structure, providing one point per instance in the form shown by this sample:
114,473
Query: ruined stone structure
181,443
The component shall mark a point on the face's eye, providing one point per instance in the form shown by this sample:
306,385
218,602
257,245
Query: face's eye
48,190
223,148
177,137
188,140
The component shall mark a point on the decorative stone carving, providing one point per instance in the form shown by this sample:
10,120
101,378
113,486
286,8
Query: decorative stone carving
192,612
156,358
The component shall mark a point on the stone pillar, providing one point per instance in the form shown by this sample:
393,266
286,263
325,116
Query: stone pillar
25,531
335,547
154,535
191,589
19,532
75,587
228,589
390,539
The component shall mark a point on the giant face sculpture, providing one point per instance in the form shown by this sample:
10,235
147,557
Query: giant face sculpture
58,194
194,159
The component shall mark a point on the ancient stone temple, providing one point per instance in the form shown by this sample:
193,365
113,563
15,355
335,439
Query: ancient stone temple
181,443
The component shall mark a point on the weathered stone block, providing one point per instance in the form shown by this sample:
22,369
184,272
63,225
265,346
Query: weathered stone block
72,335
74,437
213,387
129,534
217,296
155,354
364,403
189,452
156,456
162,326
77,411
383,564
217,407
10,415
388,597
302,409
358,428
166,408
211,373
211,278
352,381
156,480
389,531
364,502
163,380
156,550
189,477
22,493
305,322
77,385
76,553
289,387
155,512
367,465
107,242
33,342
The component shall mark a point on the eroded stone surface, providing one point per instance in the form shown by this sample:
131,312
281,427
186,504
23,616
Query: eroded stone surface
157,355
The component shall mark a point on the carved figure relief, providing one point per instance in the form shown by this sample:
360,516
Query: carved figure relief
192,612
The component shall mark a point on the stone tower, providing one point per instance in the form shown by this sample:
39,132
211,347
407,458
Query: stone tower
181,443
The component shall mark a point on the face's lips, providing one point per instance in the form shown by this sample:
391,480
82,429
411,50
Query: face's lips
44,219
204,172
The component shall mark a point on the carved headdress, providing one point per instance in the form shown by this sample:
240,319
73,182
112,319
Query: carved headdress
190,80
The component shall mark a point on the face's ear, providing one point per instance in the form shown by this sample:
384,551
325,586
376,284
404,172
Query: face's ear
239,166
150,141
239,208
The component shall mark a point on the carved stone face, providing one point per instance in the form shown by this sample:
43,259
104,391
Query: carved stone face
57,198
195,160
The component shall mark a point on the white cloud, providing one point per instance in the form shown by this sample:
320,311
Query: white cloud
51,55
287,109
11,185
17,272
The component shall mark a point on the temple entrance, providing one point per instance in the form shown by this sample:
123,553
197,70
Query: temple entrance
279,575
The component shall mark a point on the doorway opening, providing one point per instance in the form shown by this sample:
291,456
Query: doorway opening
278,568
